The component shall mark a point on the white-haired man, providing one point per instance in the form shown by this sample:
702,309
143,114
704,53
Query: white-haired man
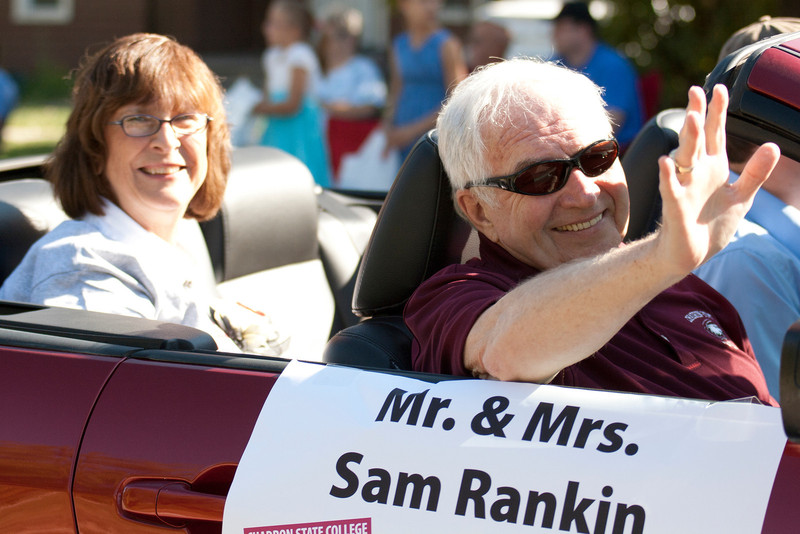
555,295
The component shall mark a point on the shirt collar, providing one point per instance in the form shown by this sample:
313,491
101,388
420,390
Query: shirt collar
117,225
497,256
778,218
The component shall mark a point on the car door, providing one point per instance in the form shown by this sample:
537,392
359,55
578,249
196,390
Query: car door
45,400
163,441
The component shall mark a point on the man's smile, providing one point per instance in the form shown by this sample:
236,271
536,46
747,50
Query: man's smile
577,227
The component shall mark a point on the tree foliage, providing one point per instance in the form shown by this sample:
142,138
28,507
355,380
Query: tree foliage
679,39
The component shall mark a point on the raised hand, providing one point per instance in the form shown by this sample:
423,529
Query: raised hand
700,209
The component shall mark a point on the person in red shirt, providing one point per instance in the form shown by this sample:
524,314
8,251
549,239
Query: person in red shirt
556,296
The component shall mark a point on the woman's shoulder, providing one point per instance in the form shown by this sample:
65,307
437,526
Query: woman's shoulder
62,252
69,244
72,233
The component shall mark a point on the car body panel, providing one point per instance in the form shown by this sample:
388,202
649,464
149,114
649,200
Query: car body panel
161,423
783,512
45,402
162,442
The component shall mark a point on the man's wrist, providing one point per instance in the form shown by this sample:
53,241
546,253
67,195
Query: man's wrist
664,259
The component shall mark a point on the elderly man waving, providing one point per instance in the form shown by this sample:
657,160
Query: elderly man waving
556,297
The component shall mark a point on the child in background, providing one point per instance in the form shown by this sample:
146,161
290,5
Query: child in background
426,62
352,90
295,118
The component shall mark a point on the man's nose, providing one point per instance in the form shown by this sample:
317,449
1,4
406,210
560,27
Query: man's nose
580,191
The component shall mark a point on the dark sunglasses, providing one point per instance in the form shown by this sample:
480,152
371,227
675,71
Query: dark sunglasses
545,177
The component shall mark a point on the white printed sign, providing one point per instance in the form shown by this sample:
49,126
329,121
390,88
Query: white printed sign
345,451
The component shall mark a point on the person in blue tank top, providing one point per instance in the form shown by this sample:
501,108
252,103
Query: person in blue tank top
577,45
426,61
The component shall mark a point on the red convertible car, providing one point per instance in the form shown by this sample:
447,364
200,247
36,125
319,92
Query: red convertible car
117,424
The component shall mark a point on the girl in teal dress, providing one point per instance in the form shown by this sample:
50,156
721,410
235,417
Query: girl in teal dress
295,120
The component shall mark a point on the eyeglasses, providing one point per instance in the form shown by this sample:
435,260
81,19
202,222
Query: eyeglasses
546,177
146,125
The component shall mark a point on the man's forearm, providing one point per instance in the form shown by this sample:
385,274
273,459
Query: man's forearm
564,315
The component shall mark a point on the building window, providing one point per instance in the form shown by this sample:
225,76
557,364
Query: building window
42,11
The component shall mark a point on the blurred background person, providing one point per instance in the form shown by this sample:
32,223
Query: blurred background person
759,271
488,42
352,90
295,120
426,61
578,45
145,155
9,94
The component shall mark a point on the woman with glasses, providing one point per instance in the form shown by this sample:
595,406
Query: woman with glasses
145,156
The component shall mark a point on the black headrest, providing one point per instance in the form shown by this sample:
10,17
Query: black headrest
656,138
28,210
763,80
416,234
268,217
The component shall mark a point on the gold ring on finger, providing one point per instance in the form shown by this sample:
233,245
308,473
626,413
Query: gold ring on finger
680,169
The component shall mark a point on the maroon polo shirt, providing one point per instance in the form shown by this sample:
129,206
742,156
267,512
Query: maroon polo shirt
687,342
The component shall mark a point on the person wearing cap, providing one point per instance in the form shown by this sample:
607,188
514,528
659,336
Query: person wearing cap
759,271
556,296
578,46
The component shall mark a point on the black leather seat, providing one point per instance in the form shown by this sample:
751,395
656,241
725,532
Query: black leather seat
282,246
656,138
417,233
28,210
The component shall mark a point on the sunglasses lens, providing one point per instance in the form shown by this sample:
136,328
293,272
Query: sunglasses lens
542,179
598,158
550,176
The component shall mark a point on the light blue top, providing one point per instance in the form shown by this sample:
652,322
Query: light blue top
111,264
613,72
759,272
357,82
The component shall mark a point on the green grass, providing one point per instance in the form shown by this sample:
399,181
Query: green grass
33,128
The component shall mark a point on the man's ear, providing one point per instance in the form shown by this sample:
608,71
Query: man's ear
475,210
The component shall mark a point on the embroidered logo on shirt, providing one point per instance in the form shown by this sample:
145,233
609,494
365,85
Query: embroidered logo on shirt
693,316
709,324
714,329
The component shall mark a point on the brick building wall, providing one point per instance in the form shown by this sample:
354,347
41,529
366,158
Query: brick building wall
23,47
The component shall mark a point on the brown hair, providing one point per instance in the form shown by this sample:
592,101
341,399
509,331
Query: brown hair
138,69
298,12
